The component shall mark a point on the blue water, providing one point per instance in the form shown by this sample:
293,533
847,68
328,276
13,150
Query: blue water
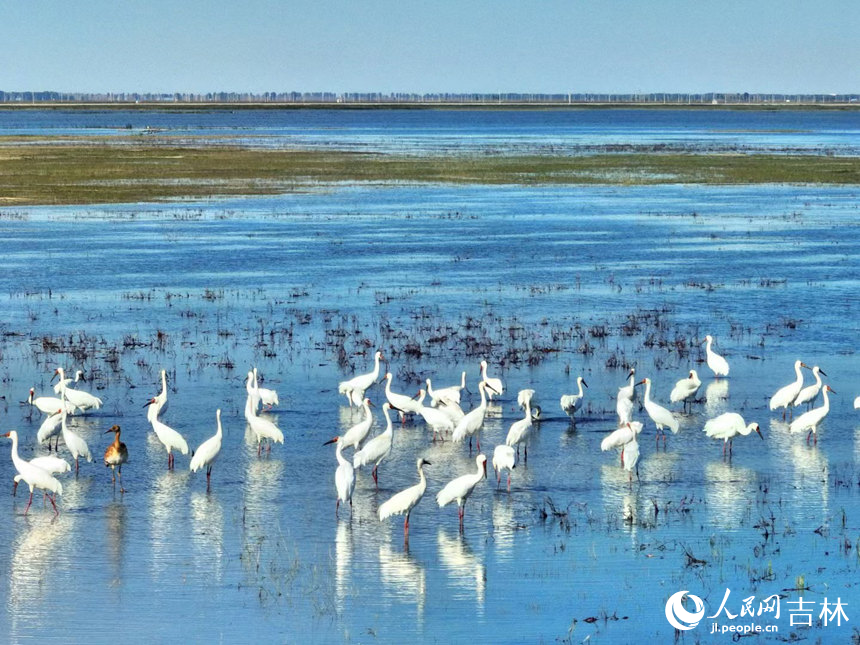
546,283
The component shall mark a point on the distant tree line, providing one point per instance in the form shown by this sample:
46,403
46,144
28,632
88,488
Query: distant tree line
509,98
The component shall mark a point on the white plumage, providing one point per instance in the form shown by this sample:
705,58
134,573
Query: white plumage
405,404
50,428
269,398
571,403
625,437
519,431
74,442
494,385
207,452
49,404
785,396
719,365
460,488
727,426
261,427
810,393
34,476
344,476
451,393
356,434
82,400
470,424
810,420
354,388
685,389
504,458
404,501
437,418
626,396
659,415
377,449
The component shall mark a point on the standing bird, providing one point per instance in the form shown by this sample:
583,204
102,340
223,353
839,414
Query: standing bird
344,476
452,393
49,429
495,385
439,420
685,390
406,404
354,388
51,465
207,452
116,455
377,449
785,396
622,438
403,502
528,397
659,415
571,403
471,423
729,425
168,437
626,396
74,442
504,458
269,398
356,434
518,433
261,427
82,400
809,394
34,476
719,365
79,376
161,398
460,488
810,420
49,404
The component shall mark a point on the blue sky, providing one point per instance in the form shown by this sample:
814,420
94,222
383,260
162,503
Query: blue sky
431,46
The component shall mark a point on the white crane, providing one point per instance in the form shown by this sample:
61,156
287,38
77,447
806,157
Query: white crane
729,425
356,434
452,393
403,502
51,465
518,433
659,415
471,423
207,452
504,458
785,396
452,409
571,403
685,390
719,365
622,438
262,428
168,437
79,376
161,398
269,398
82,400
74,442
494,385
528,396
460,488
626,396
810,420
49,404
377,449
354,388
344,476
34,476
406,404
438,419
49,429
809,394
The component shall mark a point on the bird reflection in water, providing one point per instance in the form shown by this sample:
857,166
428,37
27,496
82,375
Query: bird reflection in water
207,534
115,521
465,570
716,395
729,491
170,489
404,576
343,563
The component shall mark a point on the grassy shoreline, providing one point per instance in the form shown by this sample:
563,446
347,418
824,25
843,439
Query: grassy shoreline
127,170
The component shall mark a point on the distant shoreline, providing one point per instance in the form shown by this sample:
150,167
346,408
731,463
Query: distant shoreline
442,105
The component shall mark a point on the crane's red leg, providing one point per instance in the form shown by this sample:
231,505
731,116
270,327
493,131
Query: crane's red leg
375,478
337,506
28,503
509,481
56,512
14,488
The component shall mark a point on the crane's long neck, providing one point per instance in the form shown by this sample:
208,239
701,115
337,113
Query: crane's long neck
389,427
647,391
368,415
480,474
218,432
463,380
798,373
430,389
581,393
164,384
422,482
484,371
826,406
818,378
339,454
528,410
387,385
16,460
483,390
375,366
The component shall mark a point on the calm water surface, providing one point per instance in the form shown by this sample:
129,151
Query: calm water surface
547,284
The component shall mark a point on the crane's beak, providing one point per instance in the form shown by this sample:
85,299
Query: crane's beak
56,374
821,371
490,387
758,430
584,383
831,390
395,408
150,402
330,441
642,382
805,365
